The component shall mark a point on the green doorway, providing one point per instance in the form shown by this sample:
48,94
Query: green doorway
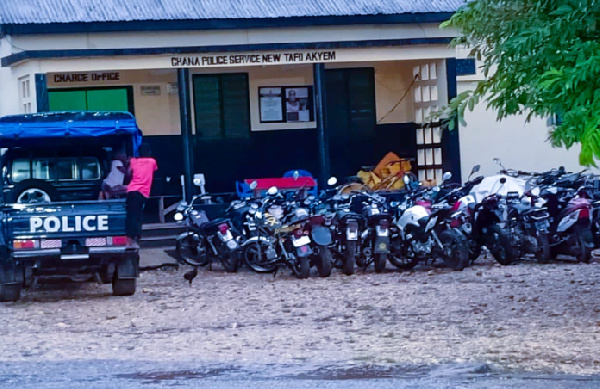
91,99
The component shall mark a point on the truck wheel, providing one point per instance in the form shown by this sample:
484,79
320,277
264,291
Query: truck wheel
32,192
10,293
124,286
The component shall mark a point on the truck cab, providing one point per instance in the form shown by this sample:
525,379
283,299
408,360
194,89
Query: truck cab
52,223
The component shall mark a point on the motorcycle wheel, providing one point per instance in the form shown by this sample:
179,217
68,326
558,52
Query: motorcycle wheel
585,244
544,252
380,262
349,258
231,262
474,250
503,252
188,253
458,257
403,263
301,267
255,261
324,261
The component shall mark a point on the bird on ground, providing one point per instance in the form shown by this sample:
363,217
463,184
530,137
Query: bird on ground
190,275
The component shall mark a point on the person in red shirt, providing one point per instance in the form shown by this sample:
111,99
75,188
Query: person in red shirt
142,172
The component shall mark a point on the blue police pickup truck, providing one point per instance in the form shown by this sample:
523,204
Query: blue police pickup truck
51,221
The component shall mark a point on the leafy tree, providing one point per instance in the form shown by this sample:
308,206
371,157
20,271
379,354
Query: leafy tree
539,57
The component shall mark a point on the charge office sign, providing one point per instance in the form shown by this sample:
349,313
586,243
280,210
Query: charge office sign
274,58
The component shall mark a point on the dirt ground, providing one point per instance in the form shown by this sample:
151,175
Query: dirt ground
543,318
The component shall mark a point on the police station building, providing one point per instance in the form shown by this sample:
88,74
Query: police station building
242,89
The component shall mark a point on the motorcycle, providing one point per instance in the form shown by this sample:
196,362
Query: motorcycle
425,230
257,246
571,230
288,228
346,234
489,227
375,236
205,240
529,226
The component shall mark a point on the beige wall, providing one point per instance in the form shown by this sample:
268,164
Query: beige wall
159,115
291,75
519,145
156,115
392,84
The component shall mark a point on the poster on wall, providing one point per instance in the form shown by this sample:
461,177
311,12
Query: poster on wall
289,104
296,104
270,105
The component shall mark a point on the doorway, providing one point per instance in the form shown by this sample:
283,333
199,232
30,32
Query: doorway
351,119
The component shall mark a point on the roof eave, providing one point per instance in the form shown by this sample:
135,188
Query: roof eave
220,24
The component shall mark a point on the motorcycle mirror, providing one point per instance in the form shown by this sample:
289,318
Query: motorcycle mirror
475,169
332,181
497,161
272,191
253,185
296,174
446,176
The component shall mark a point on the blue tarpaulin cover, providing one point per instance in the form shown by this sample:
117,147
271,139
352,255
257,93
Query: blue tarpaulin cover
57,125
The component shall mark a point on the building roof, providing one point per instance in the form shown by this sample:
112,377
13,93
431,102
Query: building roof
22,12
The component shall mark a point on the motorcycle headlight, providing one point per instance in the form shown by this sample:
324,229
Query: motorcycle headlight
178,216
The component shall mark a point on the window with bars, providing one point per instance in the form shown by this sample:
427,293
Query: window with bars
221,105
429,142
429,154
25,100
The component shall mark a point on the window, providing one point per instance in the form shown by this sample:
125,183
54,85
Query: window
21,170
66,169
221,106
429,140
90,169
63,169
25,99
43,169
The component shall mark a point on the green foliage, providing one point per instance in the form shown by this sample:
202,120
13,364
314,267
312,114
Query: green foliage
540,57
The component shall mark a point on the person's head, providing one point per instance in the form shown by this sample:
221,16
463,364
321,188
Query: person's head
144,150
292,96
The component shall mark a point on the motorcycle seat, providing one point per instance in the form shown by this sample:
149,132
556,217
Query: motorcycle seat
521,208
213,224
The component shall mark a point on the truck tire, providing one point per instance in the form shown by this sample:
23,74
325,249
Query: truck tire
32,191
10,292
124,286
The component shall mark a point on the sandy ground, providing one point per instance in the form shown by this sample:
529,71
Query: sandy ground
542,318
